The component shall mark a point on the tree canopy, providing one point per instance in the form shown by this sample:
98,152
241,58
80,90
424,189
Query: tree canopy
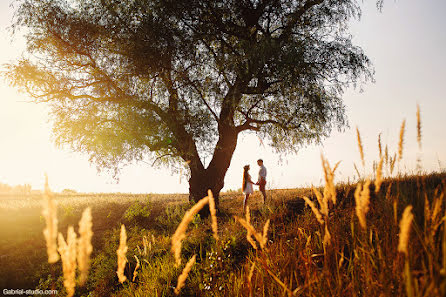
179,80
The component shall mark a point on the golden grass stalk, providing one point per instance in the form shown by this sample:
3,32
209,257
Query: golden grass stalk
361,150
265,234
138,265
438,202
392,163
389,190
362,199
329,189
356,169
213,212
380,148
314,209
258,236
341,261
49,212
386,155
418,126
183,276
84,247
379,177
405,224
427,210
248,233
145,245
250,274
323,203
327,237
401,141
121,252
180,233
67,251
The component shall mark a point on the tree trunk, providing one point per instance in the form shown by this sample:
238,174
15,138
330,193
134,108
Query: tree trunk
213,176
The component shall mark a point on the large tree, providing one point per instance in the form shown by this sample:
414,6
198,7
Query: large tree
179,80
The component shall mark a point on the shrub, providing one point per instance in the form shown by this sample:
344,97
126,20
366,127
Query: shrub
138,212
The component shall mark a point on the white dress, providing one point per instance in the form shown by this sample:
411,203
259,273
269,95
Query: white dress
248,188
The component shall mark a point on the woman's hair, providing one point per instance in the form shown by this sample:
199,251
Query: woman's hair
245,176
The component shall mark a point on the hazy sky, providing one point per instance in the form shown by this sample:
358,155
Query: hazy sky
407,45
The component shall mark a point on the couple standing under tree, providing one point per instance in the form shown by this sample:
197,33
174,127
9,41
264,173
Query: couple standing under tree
247,182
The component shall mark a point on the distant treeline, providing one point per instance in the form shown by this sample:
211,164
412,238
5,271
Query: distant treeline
24,189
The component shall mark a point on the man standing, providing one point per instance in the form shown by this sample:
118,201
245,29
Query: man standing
261,182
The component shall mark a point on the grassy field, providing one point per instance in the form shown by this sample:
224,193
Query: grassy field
296,259
23,258
22,246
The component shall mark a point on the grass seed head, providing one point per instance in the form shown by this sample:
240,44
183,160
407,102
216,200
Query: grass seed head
258,236
329,189
265,234
405,223
418,126
180,233
121,252
138,265
361,150
251,272
213,212
362,199
67,251
183,276
248,233
379,180
327,237
84,247
437,205
49,212
357,171
316,212
323,203
401,141
392,163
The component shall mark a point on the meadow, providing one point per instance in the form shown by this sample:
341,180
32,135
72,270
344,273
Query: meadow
295,261
382,235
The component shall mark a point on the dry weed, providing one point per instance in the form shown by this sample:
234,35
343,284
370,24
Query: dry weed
121,252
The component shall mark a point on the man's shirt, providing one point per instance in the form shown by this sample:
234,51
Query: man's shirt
262,173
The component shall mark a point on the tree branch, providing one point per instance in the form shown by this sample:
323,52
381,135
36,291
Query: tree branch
294,18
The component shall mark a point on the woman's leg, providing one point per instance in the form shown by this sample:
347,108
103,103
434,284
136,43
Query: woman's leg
245,202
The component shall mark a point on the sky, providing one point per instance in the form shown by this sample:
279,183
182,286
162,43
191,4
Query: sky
406,43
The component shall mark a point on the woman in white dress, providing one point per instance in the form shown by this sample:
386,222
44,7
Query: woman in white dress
246,186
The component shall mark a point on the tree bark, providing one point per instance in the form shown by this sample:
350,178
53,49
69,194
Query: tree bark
201,179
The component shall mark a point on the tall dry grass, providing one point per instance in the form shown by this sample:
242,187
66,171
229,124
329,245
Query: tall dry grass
401,141
349,243
180,233
405,223
183,276
360,147
362,201
67,250
121,252
75,251
84,245
50,232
